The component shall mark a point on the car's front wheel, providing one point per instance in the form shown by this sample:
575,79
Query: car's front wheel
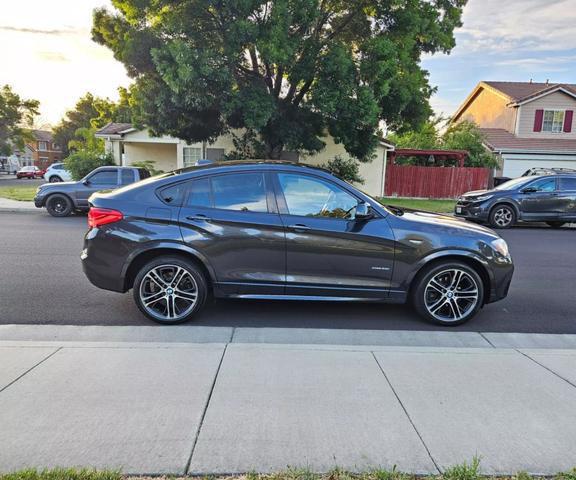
502,216
170,290
59,205
448,294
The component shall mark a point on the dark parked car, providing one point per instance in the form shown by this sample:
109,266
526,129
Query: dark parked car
546,198
537,171
62,198
282,231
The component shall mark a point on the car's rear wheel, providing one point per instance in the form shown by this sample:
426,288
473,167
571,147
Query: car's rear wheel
55,179
502,216
556,224
170,290
448,294
59,205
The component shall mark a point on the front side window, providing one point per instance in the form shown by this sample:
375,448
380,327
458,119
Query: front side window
568,184
312,197
241,191
553,121
544,185
191,156
105,177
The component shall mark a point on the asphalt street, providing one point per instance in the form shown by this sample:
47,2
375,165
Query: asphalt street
12,181
41,282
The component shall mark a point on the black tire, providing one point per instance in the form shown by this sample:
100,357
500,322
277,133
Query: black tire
193,281
59,205
502,216
54,179
426,297
555,224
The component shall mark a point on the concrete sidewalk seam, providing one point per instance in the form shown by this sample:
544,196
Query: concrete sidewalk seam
546,368
407,414
484,337
199,429
30,369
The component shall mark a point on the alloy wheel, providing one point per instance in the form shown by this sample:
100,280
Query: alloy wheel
451,295
168,292
58,205
503,216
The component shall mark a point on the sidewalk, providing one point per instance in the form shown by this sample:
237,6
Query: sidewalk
7,205
69,397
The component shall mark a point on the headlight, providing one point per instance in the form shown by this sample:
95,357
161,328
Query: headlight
482,198
501,247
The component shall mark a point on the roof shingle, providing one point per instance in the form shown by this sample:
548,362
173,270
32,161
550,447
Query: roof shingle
519,91
499,139
114,128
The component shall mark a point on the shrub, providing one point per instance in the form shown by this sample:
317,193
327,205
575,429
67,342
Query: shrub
148,165
345,169
82,162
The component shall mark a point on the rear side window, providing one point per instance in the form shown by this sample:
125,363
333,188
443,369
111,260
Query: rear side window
568,184
244,192
126,177
173,195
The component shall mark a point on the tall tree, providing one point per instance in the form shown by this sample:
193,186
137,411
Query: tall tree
286,70
90,112
16,116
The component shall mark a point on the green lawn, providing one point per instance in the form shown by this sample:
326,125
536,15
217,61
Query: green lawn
428,204
18,193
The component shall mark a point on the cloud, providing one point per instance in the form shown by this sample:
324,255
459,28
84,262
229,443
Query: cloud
39,31
52,56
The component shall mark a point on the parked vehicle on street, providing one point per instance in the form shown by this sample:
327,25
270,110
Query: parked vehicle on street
57,173
63,198
30,171
276,230
537,171
545,198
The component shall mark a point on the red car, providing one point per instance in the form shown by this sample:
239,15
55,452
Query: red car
30,171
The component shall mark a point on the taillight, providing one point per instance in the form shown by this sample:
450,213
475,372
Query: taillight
101,216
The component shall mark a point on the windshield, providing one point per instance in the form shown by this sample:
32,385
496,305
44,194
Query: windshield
515,182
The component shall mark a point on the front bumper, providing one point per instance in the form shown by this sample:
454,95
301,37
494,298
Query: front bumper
471,211
501,284
39,201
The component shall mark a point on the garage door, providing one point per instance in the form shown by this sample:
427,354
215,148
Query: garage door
514,167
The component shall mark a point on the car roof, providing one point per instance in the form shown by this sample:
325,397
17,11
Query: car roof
251,164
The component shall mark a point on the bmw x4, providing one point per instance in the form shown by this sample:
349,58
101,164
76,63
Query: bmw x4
274,230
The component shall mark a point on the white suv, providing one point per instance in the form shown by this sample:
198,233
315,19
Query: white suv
57,173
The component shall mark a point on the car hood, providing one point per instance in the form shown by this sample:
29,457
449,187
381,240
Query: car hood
58,185
475,193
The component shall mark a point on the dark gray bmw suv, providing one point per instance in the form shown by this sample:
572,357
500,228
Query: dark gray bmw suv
283,231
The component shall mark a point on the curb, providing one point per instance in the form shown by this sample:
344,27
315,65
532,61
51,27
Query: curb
19,210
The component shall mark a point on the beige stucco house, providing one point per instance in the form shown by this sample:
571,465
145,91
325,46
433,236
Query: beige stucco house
526,124
128,145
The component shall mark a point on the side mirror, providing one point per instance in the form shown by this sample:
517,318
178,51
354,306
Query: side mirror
529,190
363,211
86,182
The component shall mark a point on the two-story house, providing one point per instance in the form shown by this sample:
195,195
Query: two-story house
526,124
43,150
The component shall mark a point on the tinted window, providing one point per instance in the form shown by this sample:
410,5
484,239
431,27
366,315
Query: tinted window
143,173
105,177
243,191
173,195
199,194
568,184
544,185
312,197
126,177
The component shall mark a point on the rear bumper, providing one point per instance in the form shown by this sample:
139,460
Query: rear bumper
101,262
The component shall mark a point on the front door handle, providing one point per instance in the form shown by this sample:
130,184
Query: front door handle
299,227
199,218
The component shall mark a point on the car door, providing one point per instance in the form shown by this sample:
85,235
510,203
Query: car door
539,200
102,179
567,198
232,221
328,252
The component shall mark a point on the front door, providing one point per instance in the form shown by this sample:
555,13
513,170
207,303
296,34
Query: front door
567,198
539,200
106,179
328,251
232,221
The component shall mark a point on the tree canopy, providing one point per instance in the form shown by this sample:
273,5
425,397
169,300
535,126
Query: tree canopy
286,72
16,116
90,112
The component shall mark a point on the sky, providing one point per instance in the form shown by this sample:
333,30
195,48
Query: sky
47,52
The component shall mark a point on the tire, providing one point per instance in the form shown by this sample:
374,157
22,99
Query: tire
161,293
502,216
59,205
556,224
448,294
54,179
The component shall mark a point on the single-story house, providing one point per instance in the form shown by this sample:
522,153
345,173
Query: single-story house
128,145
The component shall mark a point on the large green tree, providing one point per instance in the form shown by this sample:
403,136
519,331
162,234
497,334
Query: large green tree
284,71
90,112
16,117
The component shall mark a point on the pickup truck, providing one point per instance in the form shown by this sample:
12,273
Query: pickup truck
63,198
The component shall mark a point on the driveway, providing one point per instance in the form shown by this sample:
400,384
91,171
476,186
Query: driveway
42,283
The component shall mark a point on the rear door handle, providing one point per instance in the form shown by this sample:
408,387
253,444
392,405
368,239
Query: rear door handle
199,218
299,227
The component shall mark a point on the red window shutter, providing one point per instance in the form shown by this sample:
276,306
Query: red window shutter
568,120
538,119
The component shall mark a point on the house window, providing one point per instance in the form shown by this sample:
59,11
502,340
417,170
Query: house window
553,121
43,146
191,156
